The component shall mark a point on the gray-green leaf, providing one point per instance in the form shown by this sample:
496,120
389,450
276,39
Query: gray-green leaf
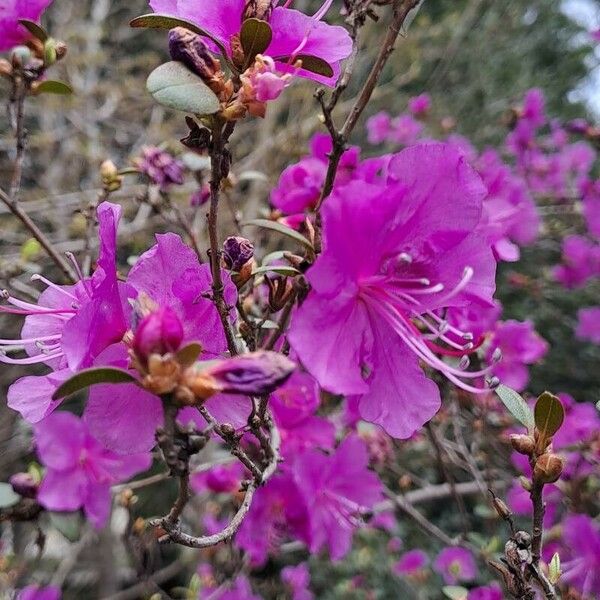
455,592
88,377
173,85
281,228
517,406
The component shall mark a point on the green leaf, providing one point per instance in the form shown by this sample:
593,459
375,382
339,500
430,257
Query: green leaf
36,30
67,523
8,497
277,255
314,64
189,354
280,228
255,37
173,85
549,414
455,592
279,269
158,21
517,406
88,377
54,87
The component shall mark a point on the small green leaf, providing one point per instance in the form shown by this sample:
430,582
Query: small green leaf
549,414
314,64
8,497
281,228
255,37
517,406
54,87
189,354
157,21
173,85
67,523
279,269
277,255
88,377
455,592
36,30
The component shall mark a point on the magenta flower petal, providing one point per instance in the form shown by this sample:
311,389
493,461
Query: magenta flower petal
411,562
11,33
63,490
97,503
70,431
34,592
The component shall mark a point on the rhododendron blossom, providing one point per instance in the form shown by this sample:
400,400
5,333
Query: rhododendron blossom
393,255
11,33
295,35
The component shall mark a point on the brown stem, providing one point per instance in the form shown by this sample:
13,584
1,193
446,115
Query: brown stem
18,101
401,9
220,137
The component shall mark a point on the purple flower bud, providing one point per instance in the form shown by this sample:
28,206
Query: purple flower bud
187,47
254,374
24,484
158,333
237,251
200,196
160,167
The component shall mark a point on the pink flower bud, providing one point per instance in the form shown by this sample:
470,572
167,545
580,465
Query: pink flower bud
24,484
158,333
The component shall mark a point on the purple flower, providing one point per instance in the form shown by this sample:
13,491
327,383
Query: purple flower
278,511
588,324
591,206
219,479
69,326
581,556
79,470
394,255
11,33
533,107
35,592
160,167
378,128
419,105
490,592
455,565
294,34
298,579
520,346
123,416
240,589
411,562
336,489
293,406
581,260
405,131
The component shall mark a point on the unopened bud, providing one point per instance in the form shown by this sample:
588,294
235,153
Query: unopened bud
237,251
500,506
160,332
258,9
525,483
24,484
61,49
548,468
252,374
111,180
281,290
554,571
50,54
524,444
188,47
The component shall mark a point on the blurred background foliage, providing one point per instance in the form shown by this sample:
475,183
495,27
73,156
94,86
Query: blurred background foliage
475,58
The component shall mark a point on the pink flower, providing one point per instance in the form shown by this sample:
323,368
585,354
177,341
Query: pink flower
158,333
294,34
490,592
219,479
581,555
336,489
378,128
69,326
411,562
125,417
405,131
394,255
591,206
588,324
533,107
298,579
419,105
455,564
581,260
240,589
160,167
11,33
520,346
79,470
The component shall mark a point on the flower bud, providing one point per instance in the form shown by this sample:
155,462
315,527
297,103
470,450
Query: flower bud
160,332
111,180
524,444
548,468
237,251
21,56
554,571
50,54
258,9
188,47
252,374
281,290
24,484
